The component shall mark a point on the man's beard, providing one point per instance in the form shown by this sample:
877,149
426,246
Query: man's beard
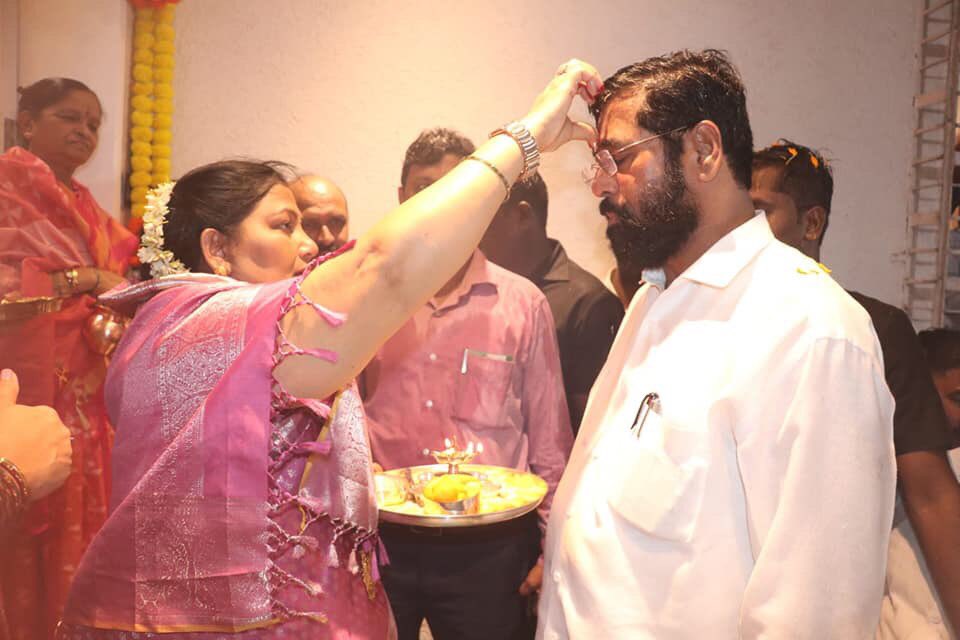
666,218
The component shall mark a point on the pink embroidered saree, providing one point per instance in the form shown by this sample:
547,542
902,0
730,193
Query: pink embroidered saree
236,508
45,228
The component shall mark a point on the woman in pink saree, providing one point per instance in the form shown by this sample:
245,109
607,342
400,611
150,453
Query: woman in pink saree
243,497
58,250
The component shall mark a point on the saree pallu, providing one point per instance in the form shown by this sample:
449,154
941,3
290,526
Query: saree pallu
237,509
45,228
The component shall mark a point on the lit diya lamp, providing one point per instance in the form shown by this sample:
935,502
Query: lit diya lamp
454,491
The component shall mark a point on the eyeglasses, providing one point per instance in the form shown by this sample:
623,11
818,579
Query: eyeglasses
607,161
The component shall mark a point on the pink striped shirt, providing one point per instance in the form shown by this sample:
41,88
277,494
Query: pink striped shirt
482,366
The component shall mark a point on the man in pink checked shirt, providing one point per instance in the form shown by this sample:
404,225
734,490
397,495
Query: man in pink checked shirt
478,363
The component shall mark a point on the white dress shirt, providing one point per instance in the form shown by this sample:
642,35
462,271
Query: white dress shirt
756,499
911,606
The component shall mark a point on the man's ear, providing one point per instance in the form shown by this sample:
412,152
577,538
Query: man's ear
815,221
214,245
708,147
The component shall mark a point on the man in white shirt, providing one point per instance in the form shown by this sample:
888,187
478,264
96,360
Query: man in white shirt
734,474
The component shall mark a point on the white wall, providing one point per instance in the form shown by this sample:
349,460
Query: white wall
88,40
344,88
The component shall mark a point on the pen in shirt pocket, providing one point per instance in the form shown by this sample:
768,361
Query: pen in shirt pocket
482,354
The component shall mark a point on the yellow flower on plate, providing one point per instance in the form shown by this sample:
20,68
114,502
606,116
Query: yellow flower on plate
162,136
161,165
163,75
140,147
139,179
141,134
161,151
142,73
164,121
163,46
163,90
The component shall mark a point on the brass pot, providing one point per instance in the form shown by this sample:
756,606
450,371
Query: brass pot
103,329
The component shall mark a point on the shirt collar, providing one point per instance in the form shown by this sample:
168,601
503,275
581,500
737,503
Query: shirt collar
555,267
477,275
731,254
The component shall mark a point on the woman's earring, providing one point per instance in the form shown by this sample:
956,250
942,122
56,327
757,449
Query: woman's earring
222,269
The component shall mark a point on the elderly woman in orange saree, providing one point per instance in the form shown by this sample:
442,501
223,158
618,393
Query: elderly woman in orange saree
58,250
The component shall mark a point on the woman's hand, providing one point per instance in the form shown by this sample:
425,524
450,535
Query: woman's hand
34,439
89,280
548,119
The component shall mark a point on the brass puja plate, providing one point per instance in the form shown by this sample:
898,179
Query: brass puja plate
494,494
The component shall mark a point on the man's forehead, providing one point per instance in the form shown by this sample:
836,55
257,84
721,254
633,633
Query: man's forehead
618,120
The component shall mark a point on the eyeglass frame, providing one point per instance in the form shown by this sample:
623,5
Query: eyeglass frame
593,171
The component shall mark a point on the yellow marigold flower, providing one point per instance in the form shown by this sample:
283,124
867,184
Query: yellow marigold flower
160,178
163,90
142,73
141,134
136,209
144,56
140,148
163,61
142,88
163,75
165,15
162,165
163,105
164,121
140,163
145,13
139,194
163,46
143,40
141,103
161,151
139,179
162,136
141,118
143,25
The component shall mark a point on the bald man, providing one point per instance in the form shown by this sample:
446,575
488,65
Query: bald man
324,209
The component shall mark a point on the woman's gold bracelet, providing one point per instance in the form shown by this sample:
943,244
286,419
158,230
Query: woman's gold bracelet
492,167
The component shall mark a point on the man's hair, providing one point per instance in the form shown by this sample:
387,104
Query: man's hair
430,147
942,347
532,190
681,89
803,174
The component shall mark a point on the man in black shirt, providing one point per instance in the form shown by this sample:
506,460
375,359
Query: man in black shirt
794,186
586,314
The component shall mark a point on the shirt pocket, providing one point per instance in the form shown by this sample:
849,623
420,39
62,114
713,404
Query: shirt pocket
656,482
483,382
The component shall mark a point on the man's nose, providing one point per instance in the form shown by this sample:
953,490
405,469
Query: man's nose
604,185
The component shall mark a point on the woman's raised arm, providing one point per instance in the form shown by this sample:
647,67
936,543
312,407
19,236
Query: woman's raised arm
406,257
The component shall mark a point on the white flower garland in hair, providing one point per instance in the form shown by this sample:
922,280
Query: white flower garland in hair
162,261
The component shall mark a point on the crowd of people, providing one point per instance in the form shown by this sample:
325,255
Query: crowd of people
734,445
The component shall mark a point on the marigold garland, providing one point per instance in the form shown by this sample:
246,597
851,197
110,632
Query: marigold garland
151,101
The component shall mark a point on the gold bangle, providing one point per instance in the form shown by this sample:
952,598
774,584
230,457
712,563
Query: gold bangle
72,276
492,167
